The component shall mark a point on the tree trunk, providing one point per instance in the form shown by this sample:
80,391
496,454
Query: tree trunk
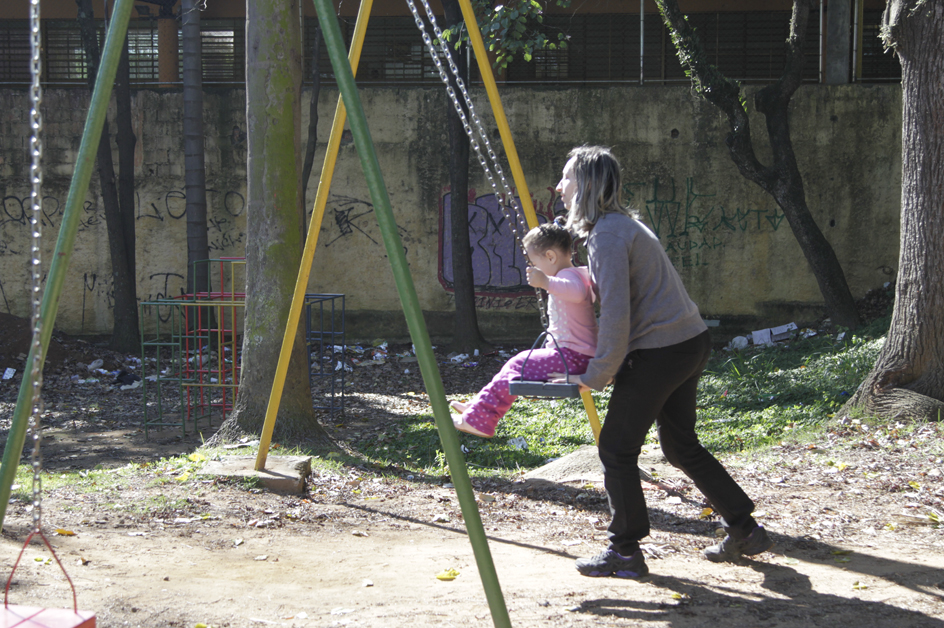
312,119
274,222
907,381
198,245
128,338
466,336
125,332
781,180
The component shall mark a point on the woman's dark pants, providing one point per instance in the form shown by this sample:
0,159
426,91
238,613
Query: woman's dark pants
660,385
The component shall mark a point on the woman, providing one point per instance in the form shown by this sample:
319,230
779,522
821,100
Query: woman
653,346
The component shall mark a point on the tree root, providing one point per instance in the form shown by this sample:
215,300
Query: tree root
899,404
230,433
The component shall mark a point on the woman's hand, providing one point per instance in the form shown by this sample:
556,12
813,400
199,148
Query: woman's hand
536,278
561,378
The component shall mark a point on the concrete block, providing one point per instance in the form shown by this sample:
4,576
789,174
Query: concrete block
282,474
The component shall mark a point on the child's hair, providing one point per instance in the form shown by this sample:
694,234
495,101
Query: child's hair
550,235
599,188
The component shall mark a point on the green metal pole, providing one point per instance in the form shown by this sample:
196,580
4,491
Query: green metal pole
84,165
412,312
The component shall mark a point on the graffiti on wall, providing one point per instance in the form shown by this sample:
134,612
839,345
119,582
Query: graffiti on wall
18,211
691,222
171,285
161,207
173,204
353,217
498,263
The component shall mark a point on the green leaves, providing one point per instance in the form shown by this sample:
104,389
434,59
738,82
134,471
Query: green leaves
514,29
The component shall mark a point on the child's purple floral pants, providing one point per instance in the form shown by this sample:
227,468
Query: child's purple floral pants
494,400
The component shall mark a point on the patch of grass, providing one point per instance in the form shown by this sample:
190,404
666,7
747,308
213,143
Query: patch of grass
80,481
549,429
753,398
746,400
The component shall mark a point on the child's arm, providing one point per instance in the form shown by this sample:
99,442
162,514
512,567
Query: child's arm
567,287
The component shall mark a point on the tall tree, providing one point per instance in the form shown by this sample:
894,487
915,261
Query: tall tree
782,179
198,243
466,336
907,380
312,143
117,200
275,220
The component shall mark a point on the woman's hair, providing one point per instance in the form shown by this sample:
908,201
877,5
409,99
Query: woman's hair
550,235
599,188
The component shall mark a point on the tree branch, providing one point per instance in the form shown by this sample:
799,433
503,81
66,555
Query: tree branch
717,89
774,100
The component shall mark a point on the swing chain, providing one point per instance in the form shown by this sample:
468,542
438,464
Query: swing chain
36,228
479,130
514,216
444,46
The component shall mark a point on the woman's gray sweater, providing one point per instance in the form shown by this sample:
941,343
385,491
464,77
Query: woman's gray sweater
643,304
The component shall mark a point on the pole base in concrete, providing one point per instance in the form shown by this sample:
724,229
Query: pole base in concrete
282,474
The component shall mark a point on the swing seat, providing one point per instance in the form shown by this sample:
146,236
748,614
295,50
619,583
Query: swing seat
554,390
36,617
557,390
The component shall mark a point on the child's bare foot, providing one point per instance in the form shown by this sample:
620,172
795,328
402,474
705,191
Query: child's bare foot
458,406
462,426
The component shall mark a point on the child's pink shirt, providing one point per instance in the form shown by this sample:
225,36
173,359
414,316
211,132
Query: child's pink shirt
570,314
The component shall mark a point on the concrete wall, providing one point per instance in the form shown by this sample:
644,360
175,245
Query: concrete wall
728,239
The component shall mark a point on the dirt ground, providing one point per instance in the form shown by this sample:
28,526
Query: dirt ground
854,519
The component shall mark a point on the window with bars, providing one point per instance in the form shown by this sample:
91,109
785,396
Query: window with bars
551,65
65,54
64,63
142,51
393,51
224,51
743,45
14,51
878,64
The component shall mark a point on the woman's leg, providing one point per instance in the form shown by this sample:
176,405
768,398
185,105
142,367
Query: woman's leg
683,450
641,389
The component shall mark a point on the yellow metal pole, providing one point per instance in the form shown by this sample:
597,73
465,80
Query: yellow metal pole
592,415
481,56
304,269
475,36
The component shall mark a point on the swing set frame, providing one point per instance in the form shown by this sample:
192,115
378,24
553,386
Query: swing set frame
348,102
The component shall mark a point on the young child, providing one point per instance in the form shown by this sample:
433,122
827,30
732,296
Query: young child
571,321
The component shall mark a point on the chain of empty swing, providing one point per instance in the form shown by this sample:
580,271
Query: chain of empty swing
36,268
475,130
